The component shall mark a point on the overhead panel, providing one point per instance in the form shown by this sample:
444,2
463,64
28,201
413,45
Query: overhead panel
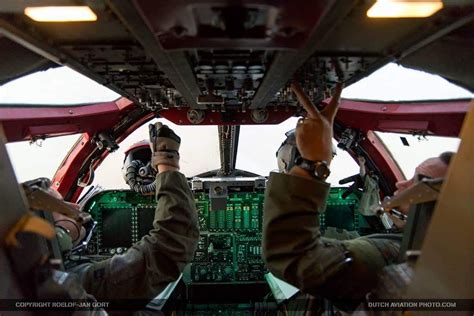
229,77
230,47
172,63
346,34
222,24
234,58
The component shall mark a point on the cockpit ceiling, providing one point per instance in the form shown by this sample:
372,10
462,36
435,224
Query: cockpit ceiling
448,57
17,61
214,55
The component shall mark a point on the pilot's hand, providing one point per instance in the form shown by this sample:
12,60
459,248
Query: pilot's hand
164,144
314,132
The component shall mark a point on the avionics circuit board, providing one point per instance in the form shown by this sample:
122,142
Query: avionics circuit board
230,222
229,247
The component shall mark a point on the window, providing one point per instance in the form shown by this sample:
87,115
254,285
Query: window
258,145
199,152
419,149
396,83
58,86
40,159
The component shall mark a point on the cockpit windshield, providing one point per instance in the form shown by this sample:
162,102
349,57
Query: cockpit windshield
54,87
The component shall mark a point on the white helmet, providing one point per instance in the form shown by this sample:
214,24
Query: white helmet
288,152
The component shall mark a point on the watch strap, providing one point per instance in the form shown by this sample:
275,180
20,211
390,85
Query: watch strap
317,169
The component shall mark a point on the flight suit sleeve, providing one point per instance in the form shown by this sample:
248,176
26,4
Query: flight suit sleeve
159,257
294,250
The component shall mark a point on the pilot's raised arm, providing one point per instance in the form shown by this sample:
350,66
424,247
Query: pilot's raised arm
159,257
293,248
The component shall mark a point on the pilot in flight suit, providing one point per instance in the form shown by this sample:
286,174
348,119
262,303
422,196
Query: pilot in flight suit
293,249
159,257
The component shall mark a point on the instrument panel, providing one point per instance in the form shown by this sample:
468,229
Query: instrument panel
230,221
229,247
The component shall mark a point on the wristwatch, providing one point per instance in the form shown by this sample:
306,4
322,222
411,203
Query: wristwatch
317,169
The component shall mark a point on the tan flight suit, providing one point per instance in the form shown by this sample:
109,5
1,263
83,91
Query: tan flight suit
159,257
294,250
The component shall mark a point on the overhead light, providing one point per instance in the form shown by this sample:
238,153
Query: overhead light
61,14
404,8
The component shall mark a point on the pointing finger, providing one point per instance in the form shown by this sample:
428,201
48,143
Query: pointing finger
304,100
331,109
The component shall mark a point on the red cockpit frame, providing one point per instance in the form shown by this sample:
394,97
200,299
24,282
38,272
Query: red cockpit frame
442,118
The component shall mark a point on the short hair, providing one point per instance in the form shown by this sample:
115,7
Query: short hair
446,157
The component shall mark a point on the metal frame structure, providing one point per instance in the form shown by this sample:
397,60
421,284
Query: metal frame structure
228,145
120,118
437,117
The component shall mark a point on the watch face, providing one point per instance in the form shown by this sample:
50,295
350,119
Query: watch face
322,171
318,169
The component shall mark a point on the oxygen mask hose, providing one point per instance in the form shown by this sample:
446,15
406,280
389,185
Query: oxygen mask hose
135,181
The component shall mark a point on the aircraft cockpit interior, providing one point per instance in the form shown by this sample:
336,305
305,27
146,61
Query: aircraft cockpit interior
227,267
224,69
